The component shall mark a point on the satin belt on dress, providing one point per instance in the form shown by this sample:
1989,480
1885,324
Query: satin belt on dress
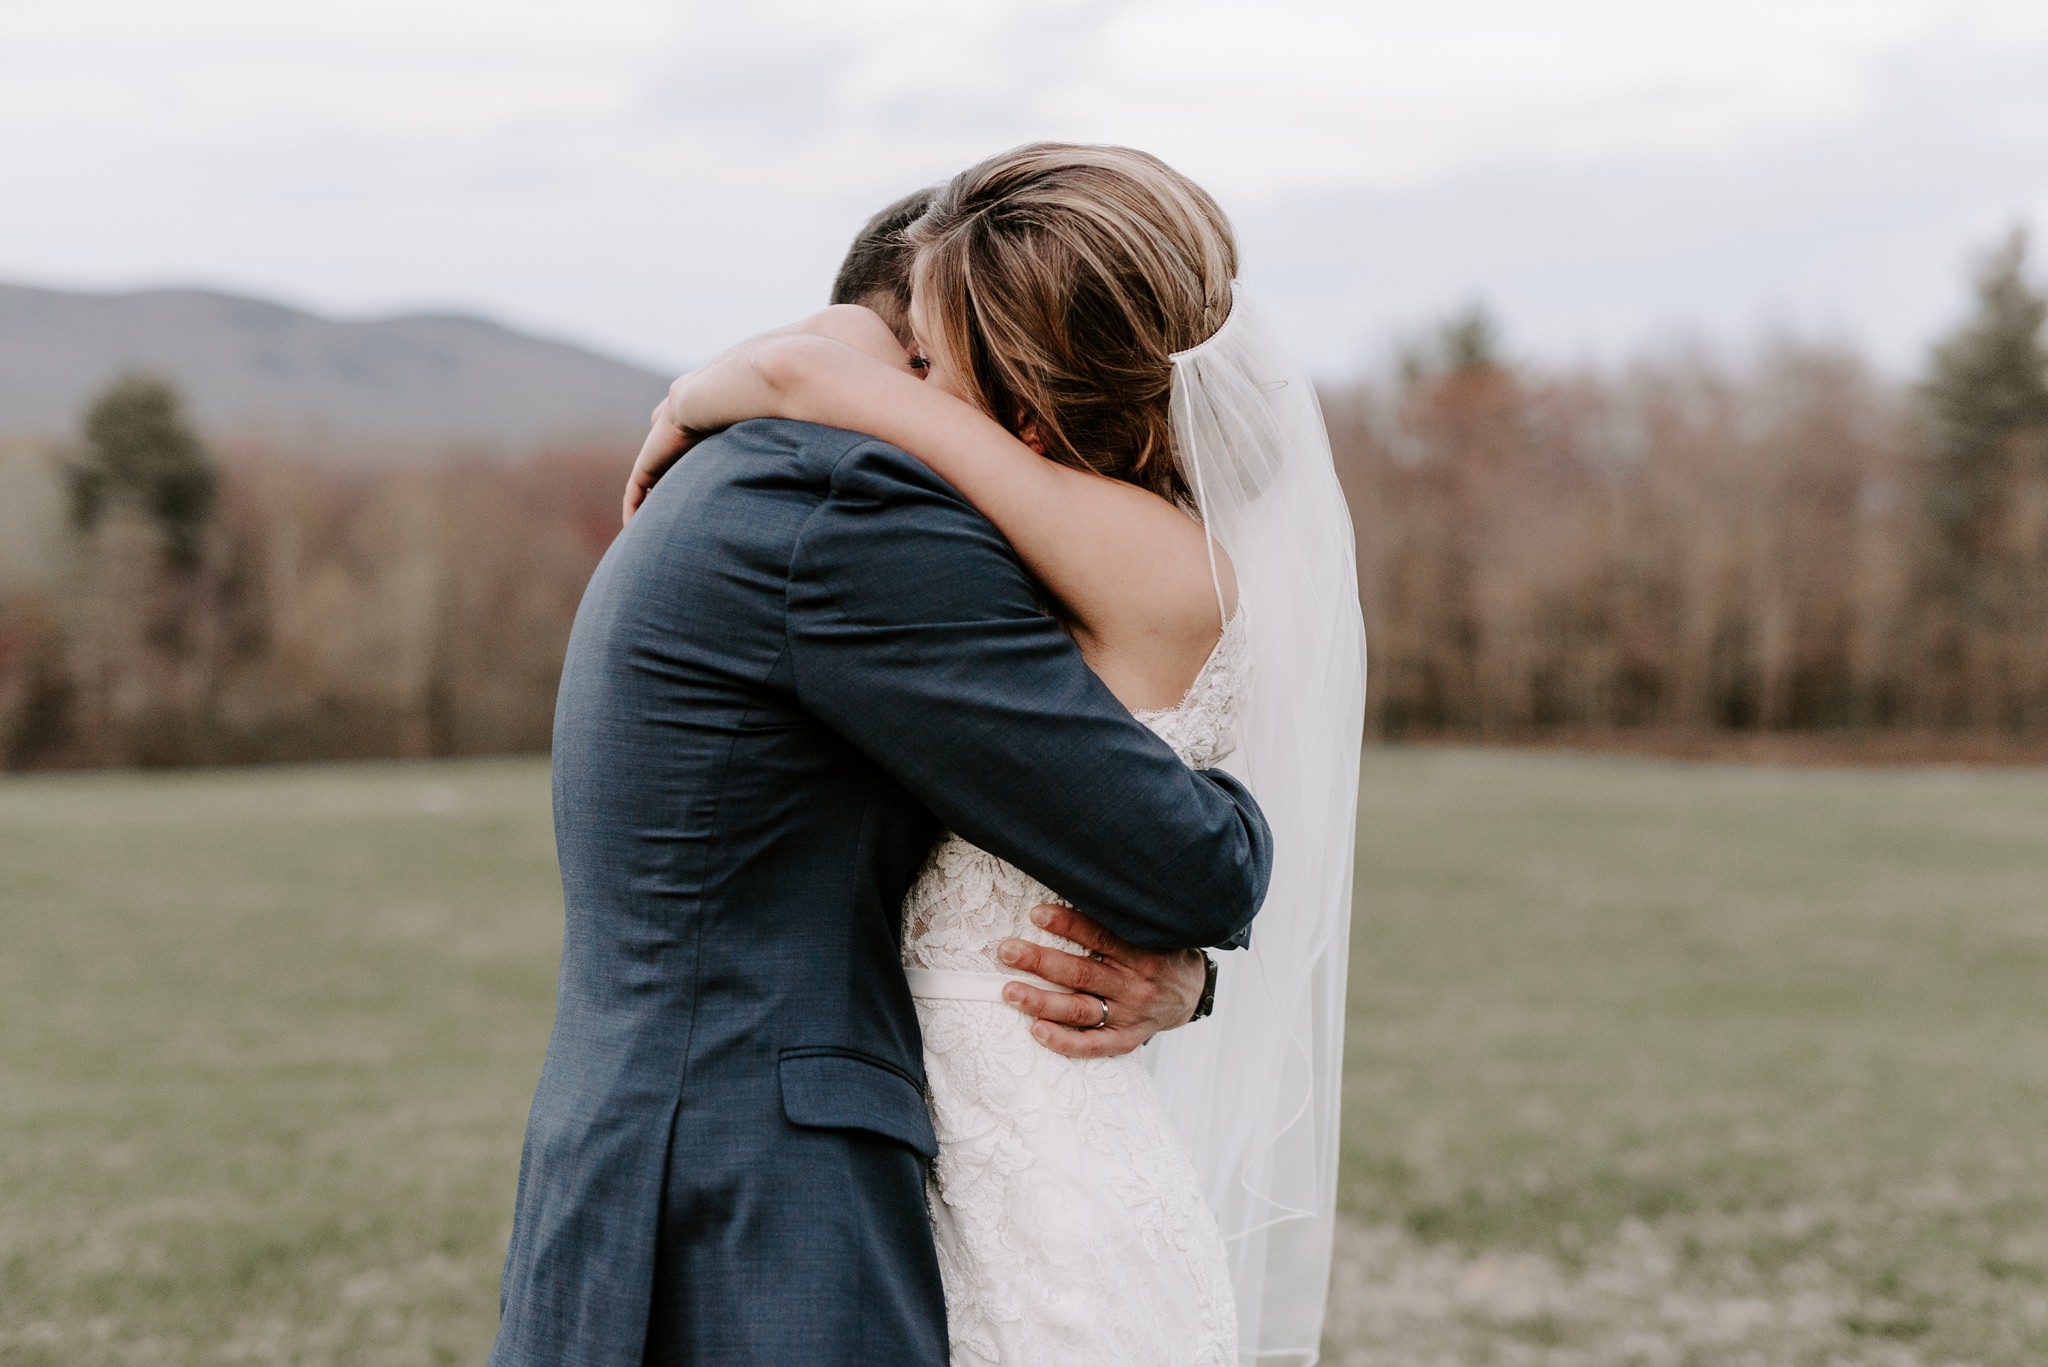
959,985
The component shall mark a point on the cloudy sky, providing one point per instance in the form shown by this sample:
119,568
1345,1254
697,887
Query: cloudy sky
659,178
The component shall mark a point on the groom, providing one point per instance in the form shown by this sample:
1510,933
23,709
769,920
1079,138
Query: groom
804,657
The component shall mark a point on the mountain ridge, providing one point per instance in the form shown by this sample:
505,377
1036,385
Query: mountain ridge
254,366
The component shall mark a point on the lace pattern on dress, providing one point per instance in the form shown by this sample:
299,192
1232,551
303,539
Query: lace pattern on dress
1068,1217
966,901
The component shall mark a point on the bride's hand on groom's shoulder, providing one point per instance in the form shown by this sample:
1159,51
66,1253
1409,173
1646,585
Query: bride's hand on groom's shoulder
665,445
1118,996
777,374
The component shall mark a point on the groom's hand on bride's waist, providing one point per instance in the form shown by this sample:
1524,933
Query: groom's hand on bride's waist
1118,996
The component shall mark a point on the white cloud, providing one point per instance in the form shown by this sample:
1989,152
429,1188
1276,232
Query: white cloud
660,177
1857,226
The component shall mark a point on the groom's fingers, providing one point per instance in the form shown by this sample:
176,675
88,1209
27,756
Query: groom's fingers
1069,924
1081,1010
1070,1023
1068,970
1073,1043
1146,992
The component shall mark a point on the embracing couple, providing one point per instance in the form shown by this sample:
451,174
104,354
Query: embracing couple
976,652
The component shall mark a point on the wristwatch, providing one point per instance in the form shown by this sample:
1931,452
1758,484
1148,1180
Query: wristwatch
1207,1005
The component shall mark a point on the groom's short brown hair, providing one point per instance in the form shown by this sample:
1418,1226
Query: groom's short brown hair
876,272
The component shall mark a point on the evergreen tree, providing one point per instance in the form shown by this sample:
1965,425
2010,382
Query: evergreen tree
141,451
1985,394
1470,340
1465,343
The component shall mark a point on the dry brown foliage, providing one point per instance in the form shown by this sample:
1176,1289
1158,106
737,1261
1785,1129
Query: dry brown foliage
1682,551
1683,557
326,616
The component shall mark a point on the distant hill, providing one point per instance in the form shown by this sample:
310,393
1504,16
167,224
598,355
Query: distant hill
248,366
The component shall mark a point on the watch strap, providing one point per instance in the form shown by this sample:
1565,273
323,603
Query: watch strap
1207,1005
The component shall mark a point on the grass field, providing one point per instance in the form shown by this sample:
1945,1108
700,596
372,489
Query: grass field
1649,1064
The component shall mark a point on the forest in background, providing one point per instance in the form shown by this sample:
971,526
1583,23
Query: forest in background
1679,548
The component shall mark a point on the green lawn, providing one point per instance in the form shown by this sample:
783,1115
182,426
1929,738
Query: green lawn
1665,1064
1650,1064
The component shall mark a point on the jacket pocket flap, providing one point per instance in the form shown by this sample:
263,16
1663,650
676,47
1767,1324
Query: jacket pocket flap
830,1089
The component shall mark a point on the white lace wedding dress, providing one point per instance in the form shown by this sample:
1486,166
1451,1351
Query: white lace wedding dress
1069,1220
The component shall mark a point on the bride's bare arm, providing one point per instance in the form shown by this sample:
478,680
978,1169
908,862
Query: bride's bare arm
666,442
1123,562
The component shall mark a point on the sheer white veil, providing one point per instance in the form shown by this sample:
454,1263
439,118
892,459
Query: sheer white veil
1255,1090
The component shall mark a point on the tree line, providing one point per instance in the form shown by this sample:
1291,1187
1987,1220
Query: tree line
1686,547
242,606
1678,547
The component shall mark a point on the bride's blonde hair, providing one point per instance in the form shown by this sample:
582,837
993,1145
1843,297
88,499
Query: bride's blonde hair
1059,279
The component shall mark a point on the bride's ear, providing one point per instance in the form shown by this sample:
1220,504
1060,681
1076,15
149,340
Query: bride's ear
1027,432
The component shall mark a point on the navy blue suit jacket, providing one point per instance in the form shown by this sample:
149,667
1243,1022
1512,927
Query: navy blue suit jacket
804,657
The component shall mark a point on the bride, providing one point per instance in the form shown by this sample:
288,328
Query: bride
1086,372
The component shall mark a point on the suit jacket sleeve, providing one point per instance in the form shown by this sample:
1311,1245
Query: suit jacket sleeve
915,633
